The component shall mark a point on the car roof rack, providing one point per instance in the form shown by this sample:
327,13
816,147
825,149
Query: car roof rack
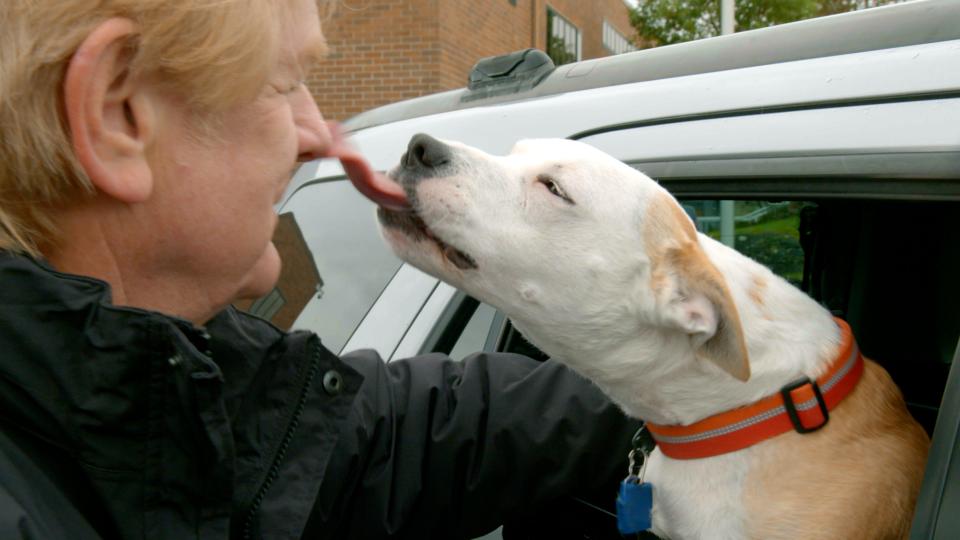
896,25
507,74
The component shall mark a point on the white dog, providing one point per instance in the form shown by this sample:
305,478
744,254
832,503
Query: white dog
601,269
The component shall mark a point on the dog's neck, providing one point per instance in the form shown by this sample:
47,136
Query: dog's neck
658,378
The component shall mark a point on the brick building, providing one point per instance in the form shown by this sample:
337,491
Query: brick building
382,51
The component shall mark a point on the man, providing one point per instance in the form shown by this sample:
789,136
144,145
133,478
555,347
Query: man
144,144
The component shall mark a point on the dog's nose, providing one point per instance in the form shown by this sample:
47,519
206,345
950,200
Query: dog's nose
425,152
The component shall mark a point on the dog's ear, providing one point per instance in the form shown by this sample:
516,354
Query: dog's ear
692,294
698,303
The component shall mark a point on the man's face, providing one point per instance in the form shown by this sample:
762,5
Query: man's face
216,186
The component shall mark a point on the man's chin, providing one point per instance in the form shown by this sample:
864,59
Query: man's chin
264,275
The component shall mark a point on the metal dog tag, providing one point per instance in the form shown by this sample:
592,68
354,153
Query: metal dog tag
634,503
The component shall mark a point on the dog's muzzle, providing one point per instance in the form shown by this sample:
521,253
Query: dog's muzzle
423,158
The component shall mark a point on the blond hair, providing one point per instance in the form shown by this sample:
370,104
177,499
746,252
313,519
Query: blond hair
213,53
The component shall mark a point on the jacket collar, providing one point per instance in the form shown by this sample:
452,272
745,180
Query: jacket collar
77,371
134,401
801,406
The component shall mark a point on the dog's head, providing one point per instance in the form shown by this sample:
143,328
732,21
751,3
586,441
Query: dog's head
582,251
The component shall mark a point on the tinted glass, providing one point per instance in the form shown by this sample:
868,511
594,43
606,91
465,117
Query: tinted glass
353,265
767,232
474,335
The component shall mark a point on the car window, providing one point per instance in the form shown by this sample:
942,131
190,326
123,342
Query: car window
767,232
334,261
474,335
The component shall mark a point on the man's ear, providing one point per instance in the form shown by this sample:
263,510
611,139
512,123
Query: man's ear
699,303
109,114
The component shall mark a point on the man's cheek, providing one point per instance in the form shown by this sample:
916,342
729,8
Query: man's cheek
263,277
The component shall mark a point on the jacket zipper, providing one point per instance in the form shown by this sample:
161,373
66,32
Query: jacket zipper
274,471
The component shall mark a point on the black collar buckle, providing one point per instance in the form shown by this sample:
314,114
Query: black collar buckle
792,407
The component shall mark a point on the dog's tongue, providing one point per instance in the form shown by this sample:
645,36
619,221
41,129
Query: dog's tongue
376,186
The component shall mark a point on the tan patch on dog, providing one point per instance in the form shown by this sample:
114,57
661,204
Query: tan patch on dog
758,286
756,293
665,219
870,449
674,250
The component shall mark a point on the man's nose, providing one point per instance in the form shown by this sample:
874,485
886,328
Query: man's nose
425,153
313,134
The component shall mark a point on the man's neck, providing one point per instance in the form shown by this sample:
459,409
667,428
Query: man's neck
98,243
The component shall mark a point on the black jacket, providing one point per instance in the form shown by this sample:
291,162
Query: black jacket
124,423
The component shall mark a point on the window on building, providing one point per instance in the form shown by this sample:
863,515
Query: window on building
563,39
268,306
614,41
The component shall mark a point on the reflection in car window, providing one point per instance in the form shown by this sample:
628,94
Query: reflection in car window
474,335
352,263
767,232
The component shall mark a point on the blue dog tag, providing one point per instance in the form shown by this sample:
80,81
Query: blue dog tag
634,503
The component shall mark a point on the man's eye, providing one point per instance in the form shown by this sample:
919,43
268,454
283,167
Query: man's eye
553,187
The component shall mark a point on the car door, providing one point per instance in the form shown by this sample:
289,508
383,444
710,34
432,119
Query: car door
854,203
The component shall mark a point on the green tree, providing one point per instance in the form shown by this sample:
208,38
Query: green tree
663,22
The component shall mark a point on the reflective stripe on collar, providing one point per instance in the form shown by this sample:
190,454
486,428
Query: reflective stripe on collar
801,406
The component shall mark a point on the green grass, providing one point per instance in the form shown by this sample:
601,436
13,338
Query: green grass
785,228
788,226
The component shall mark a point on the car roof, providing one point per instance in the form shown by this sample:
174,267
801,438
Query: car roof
913,23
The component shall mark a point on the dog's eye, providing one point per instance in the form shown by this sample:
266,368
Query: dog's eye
553,187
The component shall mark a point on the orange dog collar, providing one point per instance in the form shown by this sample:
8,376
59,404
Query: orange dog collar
802,406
